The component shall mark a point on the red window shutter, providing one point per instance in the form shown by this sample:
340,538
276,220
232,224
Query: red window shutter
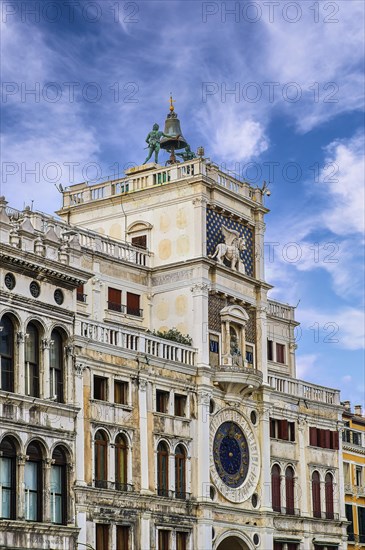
316,495
322,438
133,303
272,427
275,488
114,296
334,440
278,546
313,436
327,438
329,496
284,430
289,490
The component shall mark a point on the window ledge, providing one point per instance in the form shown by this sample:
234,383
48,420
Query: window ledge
173,416
282,440
111,404
322,448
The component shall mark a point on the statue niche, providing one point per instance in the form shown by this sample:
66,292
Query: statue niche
230,250
234,320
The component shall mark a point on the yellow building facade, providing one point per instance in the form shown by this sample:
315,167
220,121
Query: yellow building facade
354,474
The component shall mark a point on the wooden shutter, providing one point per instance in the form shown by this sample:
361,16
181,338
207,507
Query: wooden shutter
283,430
316,495
313,436
329,496
334,441
272,427
133,303
289,490
292,431
322,438
275,488
114,299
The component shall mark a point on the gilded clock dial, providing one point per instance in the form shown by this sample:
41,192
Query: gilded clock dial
231,454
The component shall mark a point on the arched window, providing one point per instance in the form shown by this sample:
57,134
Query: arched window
7,354
316,495
56,366
101,459
180,472
121,463
32,361
162,470
59,487
33,483
7,478
289,490
329,496
275,488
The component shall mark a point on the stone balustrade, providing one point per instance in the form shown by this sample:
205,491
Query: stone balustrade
138,341
305,390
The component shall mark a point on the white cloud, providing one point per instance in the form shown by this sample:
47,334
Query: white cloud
345,189
342,327
306,364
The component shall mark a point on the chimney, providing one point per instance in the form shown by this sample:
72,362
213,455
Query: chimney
347,405
358,410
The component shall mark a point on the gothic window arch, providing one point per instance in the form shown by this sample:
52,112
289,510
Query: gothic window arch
329,496
289,490
180,472
33,482
58,488
163,469
8,478
57,359
101,442
276,488
316,494
121,462
7,354
32,367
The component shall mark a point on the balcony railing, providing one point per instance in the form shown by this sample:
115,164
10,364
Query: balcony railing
126,487
326,515
113,485
121,308
182,495
81,297
298,388
165,492
282,311
124,337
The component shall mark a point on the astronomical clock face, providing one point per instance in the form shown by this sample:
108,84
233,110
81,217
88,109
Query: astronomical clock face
235,460
231,454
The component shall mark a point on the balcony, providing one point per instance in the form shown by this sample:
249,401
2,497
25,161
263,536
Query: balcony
305,390
137,341
113,485
121,308
236,378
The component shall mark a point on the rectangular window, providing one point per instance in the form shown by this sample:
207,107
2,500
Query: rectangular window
133,304
350,518
270,350
100,388
102,536
326,439
180,405
358,476
114,299
361,518
346,473
80,294
163,539
120,392
140,241
162,401
280,353
122,537
32,484
356,438
282,429
181,540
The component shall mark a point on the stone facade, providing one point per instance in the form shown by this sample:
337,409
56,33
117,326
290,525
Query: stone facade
205,443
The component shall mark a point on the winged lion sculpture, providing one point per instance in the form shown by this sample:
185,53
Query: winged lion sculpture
230,250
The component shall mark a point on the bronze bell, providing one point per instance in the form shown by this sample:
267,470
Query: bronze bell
175,139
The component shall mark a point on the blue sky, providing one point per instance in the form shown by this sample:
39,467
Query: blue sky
269,83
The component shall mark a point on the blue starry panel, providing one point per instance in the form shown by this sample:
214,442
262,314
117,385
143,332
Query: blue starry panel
215,220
